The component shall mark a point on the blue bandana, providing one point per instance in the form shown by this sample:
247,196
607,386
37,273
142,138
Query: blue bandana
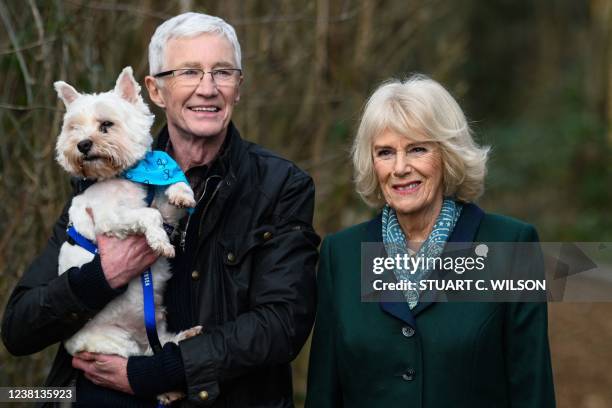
395,243
157,168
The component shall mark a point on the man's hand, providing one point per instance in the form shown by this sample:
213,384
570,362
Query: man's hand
124,259
107,371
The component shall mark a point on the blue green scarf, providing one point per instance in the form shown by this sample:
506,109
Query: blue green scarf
396,244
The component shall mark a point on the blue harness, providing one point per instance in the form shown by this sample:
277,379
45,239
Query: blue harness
156,169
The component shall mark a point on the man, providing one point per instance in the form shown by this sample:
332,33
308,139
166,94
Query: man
245,260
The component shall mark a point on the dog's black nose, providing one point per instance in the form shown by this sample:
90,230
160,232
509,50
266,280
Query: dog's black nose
84,146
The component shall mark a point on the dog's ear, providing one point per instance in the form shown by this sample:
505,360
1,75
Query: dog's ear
66,92
127,87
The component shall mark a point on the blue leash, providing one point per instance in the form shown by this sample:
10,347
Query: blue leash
81,241
146,279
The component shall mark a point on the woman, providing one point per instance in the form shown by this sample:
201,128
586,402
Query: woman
414,156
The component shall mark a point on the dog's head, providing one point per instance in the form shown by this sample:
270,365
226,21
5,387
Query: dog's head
103,134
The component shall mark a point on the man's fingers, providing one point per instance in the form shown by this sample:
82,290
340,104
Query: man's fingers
85,355
78,363
94,379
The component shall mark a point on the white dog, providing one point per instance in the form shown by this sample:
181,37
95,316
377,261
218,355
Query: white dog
102,136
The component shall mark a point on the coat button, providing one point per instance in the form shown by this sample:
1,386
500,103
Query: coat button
195,275
203,395
74,316
231,257
408,331
408,375
267,235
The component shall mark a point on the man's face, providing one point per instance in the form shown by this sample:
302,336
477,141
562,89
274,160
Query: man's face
203,110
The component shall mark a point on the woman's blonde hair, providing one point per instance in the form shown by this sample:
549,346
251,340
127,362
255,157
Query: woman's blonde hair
420,108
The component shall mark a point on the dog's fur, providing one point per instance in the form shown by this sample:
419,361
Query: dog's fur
118,125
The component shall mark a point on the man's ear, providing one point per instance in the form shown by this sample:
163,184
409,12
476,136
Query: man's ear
154,91
237,99
126,86
65,92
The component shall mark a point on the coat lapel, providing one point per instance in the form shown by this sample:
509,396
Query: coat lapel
464,231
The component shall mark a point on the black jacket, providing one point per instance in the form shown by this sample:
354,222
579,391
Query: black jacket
251,259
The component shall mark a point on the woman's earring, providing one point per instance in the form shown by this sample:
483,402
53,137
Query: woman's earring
379,195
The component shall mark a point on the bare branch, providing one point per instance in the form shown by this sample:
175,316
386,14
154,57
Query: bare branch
29,46
121,7
4,14
27,108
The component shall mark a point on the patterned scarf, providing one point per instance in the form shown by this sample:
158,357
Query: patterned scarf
396,244
156,168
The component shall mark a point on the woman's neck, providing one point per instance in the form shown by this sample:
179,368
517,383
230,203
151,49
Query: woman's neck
417,226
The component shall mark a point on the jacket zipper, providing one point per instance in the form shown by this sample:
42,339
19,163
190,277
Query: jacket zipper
184,232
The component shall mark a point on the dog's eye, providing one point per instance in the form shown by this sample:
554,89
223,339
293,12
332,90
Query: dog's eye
105,125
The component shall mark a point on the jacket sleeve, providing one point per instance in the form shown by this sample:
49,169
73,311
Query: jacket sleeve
45,308
323,381
282,303
528,362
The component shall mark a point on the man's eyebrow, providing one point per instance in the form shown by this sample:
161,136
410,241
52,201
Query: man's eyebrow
224,64
195,64
190,64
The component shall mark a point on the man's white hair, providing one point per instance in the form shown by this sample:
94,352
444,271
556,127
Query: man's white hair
189,25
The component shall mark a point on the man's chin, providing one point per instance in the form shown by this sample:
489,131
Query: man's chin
208,132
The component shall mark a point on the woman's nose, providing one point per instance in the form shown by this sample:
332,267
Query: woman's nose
401,166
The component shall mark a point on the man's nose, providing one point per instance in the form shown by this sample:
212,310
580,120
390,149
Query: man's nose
207,85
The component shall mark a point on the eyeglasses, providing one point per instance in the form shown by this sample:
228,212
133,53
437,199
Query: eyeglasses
193,76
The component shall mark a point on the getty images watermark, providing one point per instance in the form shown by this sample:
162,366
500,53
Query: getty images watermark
490,272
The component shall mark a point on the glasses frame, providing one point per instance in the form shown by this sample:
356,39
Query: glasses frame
172,72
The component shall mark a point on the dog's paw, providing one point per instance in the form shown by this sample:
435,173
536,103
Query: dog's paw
186,334
169,397
180,195
162,248
182,201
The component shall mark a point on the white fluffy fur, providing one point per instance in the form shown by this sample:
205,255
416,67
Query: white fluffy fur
118,207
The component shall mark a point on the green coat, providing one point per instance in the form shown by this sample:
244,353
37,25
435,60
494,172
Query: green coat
437,355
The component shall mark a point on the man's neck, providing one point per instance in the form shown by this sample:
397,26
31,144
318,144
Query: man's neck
189,151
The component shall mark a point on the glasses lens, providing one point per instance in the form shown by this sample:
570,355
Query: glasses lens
188,77
225,76
221,77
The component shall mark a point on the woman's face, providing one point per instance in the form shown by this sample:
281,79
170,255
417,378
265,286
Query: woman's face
409,173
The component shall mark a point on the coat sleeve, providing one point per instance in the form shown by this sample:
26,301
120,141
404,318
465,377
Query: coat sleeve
323,382
528,362
45,308
282,295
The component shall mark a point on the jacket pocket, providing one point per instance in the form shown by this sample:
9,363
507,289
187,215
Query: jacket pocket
236,247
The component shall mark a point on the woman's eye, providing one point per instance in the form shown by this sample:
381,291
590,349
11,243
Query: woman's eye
417,149
384,153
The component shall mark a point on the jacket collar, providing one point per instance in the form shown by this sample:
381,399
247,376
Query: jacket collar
465,231
231,153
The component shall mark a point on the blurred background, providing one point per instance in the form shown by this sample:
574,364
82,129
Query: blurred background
534,78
